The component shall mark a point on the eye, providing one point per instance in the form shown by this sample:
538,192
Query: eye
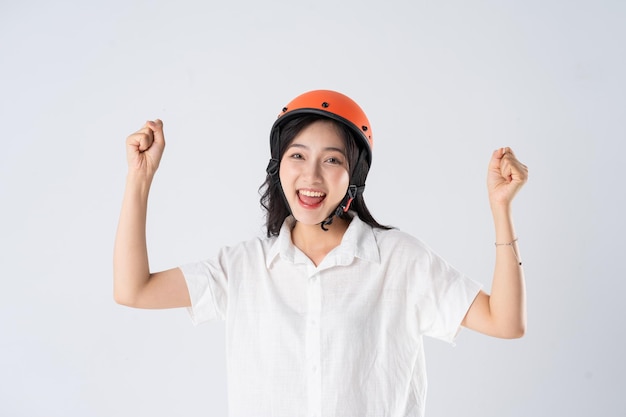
334,160
296,155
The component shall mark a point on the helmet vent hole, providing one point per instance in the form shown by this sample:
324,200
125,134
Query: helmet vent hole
364,128
325,104
284,109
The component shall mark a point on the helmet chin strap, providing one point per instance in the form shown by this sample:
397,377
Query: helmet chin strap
272,171
344,206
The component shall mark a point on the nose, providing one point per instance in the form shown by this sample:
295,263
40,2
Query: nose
312,171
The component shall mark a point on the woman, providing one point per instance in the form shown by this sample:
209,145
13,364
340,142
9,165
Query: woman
324,316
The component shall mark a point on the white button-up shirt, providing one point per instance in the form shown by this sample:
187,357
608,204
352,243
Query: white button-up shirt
340,339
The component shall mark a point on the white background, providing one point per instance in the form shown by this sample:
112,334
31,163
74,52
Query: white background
444,83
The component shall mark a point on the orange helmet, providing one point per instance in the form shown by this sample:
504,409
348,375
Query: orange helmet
333,105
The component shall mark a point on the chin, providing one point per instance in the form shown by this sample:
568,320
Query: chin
311,219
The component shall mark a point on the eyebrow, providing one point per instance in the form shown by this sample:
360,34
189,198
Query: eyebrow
330,148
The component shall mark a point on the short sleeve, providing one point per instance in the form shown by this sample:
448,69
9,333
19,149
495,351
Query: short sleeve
208,290
445,296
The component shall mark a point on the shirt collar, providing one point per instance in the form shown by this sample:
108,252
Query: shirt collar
358,242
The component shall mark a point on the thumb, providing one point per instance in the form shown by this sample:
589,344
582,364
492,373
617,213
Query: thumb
157,128
496,158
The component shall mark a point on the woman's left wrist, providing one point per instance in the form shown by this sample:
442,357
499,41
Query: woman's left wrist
500,209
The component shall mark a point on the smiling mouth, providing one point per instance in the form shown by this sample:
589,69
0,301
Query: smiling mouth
310,198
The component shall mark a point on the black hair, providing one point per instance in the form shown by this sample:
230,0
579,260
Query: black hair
272,197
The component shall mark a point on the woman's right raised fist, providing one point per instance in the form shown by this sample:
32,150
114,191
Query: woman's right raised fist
144,148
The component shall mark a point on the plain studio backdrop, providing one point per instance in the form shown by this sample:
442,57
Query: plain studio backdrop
444,83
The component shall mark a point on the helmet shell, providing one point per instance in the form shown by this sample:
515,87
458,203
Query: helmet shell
333,105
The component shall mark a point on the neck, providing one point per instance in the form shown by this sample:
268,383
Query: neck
317,243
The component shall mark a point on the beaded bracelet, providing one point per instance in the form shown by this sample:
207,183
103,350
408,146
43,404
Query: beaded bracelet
510,244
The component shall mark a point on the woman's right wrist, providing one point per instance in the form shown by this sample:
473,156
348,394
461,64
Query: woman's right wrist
139,181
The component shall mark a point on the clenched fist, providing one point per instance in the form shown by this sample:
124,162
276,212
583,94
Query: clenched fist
144,148
505,177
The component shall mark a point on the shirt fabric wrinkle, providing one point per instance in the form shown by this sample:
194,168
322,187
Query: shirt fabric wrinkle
340,339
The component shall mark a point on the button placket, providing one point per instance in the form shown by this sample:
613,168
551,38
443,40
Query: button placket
313,343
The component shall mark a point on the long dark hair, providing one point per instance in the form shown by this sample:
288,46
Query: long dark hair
272,197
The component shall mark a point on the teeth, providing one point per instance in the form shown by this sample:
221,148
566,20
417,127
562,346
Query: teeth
312,193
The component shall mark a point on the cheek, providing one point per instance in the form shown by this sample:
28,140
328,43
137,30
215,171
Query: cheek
342,179
284,173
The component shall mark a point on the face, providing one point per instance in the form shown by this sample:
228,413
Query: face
314,172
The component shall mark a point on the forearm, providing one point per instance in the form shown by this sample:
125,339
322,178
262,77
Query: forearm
507,302
131,270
